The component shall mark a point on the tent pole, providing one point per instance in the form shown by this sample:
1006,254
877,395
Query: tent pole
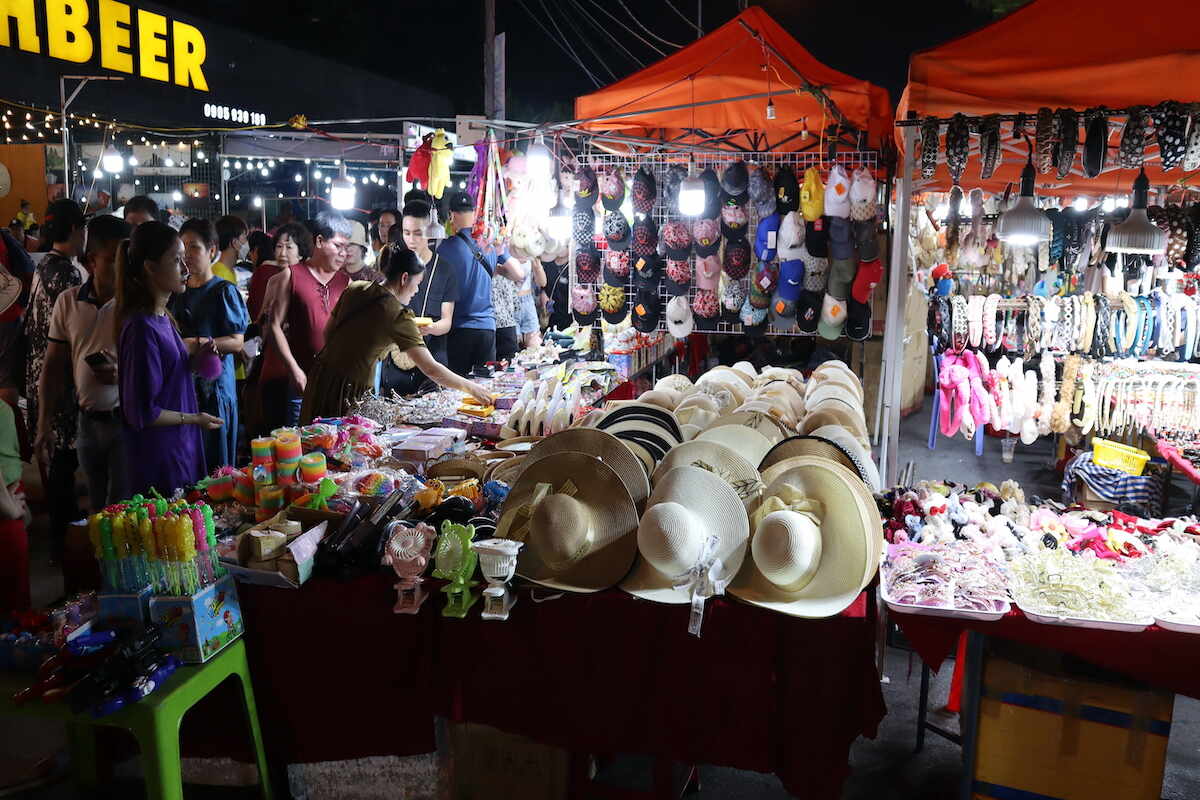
897,300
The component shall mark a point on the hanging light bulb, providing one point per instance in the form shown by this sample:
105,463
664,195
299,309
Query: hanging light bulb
177,196
539,160
1024,224
1080,204
257,201
264,172
1137,234
1108,205
691,193
133,161
168,162
237,165
342,192
770,108
112,160
200,154
298,177
317,174
97,173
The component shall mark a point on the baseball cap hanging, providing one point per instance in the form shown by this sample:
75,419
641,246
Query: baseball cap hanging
737,258
762,194
646,311
858,320
585,189
734,218
675,176
816,238
587,266
833,317
862,195
1068,141
958,142
677,239
841,239
616,267
1045,137
706,236
766,275
787,190
616,230
679,275
583,226
791,237
989,145
712,194
812,195
705,304
612,303
583,305
645,191
679,317
708,272
929,146
766,238
612,189
734,296
1132,151
866,239
1170,127
754,319
577,520
647,271
736,178
837,193
1095,144
645,237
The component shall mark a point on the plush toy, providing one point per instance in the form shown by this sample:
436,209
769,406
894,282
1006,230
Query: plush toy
418,165
441,156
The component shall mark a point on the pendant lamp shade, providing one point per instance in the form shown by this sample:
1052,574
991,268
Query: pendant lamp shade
1137,234
1024,224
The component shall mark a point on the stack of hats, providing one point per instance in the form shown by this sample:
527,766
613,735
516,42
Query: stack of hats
702,489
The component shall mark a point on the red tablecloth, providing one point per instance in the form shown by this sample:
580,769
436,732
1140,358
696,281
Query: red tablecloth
337,675
1160,657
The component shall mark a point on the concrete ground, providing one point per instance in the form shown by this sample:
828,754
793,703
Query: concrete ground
885,768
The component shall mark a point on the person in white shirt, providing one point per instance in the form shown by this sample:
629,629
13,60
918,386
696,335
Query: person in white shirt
81,350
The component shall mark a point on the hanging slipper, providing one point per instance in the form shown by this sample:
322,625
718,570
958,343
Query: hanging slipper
1068,140
958,143
1095,147
929,146
952,221
1191,156
1133,139
1045,137
1170,128
989,145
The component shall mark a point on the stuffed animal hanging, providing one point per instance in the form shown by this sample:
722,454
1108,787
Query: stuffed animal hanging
440,159
418,165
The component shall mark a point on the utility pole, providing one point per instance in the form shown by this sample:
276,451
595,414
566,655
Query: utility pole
489,59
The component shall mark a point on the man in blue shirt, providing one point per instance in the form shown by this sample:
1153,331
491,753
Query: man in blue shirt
472,337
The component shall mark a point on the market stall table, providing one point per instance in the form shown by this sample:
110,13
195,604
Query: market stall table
339,676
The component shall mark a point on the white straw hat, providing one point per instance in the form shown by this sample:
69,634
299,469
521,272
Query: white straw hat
746,378
577,522
830,415
719,459
600,445
746,368
764,422
811,559
677,382
664,398
691,540
699,400
863,463
746,442
836,390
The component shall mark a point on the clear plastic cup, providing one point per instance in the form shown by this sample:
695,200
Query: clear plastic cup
1007,446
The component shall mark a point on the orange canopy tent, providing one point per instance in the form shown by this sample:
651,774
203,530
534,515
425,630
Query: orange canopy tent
1061,54
714,93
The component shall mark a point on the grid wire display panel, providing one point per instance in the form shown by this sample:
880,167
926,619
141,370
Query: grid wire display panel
658,164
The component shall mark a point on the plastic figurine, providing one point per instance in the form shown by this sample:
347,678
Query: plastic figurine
407,552
455,562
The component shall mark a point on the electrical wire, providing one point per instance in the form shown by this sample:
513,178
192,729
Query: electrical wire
567,42
632,16
634,33
562,46
684,17
587,43
579,7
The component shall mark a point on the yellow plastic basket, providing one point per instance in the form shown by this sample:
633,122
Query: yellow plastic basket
1119,456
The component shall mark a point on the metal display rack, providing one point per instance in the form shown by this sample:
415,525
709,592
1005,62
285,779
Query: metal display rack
659,162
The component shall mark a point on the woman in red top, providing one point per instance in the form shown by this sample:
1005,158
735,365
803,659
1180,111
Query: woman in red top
298,304
293,244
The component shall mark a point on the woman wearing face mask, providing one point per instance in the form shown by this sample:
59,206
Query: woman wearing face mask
162,421
367,320
210,309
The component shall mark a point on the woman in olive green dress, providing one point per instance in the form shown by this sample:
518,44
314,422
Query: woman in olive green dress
368,319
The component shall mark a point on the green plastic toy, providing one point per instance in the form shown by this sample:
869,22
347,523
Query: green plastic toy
455,561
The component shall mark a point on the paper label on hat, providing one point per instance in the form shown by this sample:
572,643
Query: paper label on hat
771,236
641,264
779,307
765,281
640,310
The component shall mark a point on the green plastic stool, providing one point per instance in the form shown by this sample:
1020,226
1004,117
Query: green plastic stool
155,723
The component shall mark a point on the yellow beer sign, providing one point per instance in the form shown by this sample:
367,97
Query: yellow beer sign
129,40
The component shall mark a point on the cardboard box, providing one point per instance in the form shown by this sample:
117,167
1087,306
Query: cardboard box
126,612
1049,731
198,627
486,763
287,571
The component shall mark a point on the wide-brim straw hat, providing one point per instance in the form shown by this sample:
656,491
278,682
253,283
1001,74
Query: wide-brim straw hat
804,445
774,407
603,447
506,471
457,469
841,374
746,379
687,506
864,465
747,369
803,569
718,458
518,444
793,376
649,431
764,422
786,392
830,415
745,441
698,401
676,383
833,391
663,398
579,537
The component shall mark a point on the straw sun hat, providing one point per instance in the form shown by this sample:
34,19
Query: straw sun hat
691,540
816,542
597,444
720,460
649,431
745,441
577,521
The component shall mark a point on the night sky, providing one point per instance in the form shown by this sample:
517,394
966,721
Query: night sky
438,45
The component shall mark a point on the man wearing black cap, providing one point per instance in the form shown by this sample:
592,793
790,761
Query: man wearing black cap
472,335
